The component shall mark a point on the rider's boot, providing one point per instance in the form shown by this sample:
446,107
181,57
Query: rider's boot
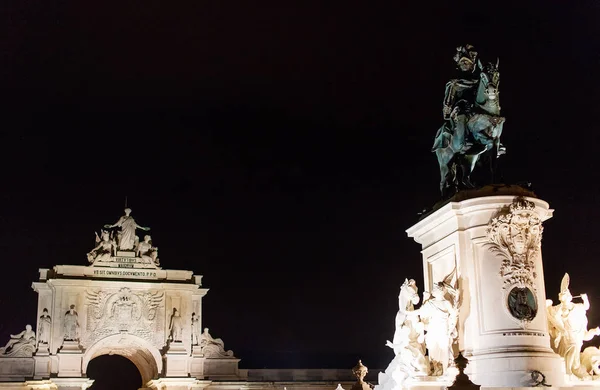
459,143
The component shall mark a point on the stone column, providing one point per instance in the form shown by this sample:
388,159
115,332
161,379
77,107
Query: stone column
493,243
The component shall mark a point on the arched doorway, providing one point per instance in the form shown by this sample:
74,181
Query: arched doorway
145,357
113,372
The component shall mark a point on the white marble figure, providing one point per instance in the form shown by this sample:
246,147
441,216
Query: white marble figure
103,250
126,236
71,325
44,326
410,332
439,314
20,344
195,329
590,360
213,348
176,328
408,342
567,323
147,252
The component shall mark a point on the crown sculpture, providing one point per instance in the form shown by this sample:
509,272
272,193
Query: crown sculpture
472,122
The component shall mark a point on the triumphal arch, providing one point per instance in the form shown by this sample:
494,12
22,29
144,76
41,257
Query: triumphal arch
122,303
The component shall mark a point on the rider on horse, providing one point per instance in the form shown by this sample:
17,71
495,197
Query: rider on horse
459,98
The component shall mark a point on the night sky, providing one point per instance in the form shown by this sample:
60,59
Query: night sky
281,149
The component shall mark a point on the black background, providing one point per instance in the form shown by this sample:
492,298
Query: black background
281,149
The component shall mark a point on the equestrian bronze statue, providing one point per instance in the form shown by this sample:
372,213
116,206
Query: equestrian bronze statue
472,122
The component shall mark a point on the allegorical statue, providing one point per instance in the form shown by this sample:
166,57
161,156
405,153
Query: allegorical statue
147,252
71,325
20,345
567,323
213,348
408,343
195,329
104,248
409,336
44,326
176,328
439,313
126,238
472,122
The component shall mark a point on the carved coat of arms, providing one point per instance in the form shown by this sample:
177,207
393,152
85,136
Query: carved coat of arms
133,312
516,236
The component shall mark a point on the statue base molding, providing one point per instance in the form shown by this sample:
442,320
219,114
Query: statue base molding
42,350
176,360
177,383
43,366
70,357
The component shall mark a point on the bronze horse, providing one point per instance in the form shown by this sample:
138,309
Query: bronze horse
484,128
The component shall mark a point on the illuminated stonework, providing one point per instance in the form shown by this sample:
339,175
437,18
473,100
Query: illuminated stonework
516,236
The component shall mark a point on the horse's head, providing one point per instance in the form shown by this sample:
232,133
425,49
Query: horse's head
409,295
489,82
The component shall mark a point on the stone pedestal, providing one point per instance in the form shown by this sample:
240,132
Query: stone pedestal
502,349
43,366
176,360
197,362
70,357
221,368
16,368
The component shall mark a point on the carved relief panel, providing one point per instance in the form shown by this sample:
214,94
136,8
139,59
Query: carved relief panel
139,313
516,236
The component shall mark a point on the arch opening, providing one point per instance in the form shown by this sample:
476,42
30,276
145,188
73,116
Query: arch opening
114,372
145,357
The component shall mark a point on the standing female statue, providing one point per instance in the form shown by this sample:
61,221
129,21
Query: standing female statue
126,237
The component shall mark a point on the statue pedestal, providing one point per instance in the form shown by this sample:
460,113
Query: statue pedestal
502,350
42,362
221,368
42,350
70,357
176,360
16,368
125,253
197,362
